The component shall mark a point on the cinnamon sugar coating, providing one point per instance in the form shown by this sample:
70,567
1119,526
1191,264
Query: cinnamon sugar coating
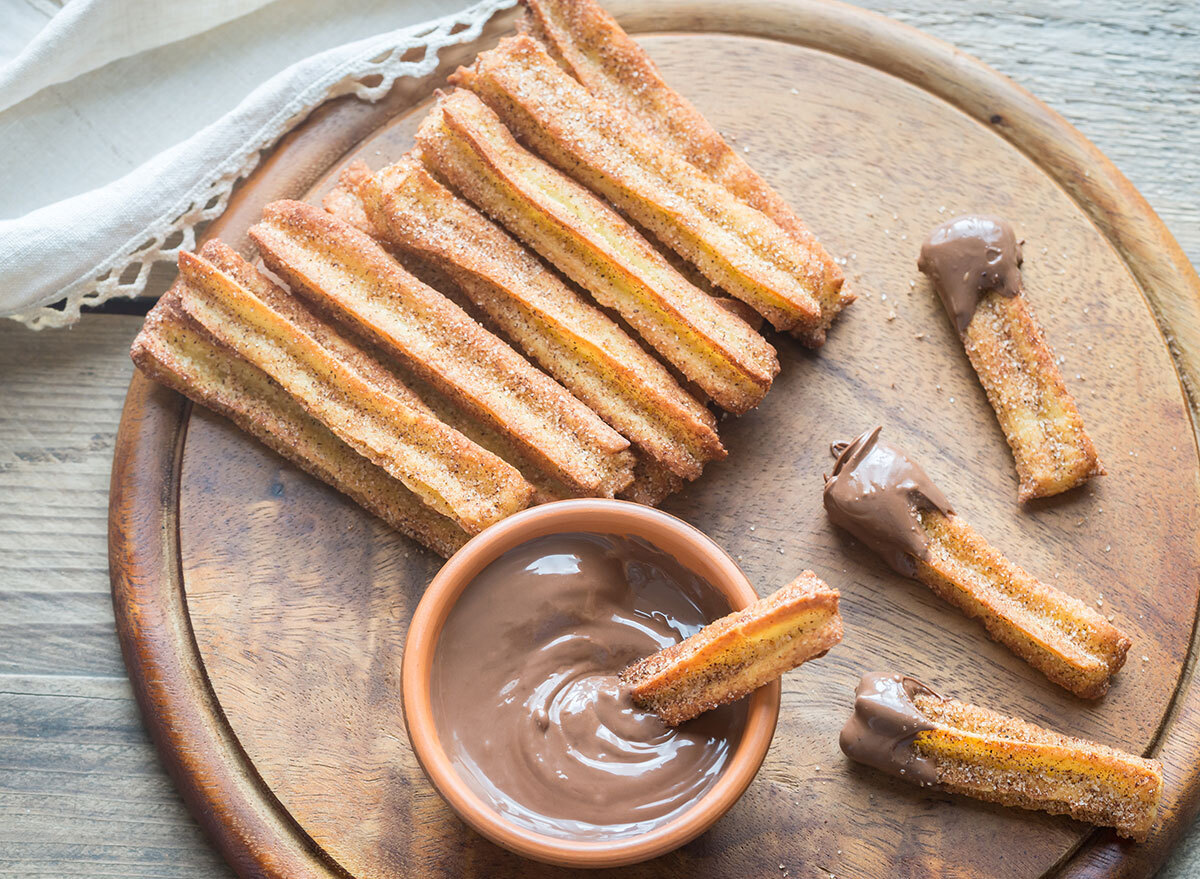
465,144
175,351
738,653
735,246
990,756
1067,641
613,67
351,277
572,340
1038,415
385,424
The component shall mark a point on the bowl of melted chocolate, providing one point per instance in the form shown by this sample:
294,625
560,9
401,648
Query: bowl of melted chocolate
512,697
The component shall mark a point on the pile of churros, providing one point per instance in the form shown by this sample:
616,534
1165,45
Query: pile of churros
552,295
481,325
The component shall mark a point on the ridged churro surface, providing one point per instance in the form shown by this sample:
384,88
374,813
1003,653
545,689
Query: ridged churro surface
569,338
974,262
352,277
737,247
884,498
1056,633
448,471
903,728
738,653
990,756
177,352
613,67
1038,415
465,144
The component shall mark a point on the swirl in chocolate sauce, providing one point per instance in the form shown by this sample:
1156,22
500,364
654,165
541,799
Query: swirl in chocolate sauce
884,725
875,493
525,691
967,257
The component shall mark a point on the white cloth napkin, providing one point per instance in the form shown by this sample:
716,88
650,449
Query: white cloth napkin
101,243
88,34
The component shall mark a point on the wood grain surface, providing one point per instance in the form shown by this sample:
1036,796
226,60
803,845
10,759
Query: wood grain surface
80,791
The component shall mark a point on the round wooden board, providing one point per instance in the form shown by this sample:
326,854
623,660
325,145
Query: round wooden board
263,615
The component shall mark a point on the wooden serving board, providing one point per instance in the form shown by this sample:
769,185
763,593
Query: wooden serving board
263,616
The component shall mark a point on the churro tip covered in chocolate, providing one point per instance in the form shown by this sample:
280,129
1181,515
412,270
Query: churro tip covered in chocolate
885,722
967,257
875,493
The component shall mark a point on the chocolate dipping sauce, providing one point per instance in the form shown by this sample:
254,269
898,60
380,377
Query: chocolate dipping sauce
884,725
876,492
525,692
968,257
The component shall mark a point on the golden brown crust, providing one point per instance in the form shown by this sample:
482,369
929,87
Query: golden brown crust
737,247
1037,413
573,341
989,756
740,309
738,653
1069,642
177,352
351,276
445,469
343,200
614,68
546,487
465,144
652,483
366,364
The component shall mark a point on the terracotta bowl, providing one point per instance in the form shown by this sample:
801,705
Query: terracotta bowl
675,537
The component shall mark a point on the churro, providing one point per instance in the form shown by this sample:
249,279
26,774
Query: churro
652,483
464,143
974,264
613,67
887,501
569,338
903,728
352,277
437,463
738,653
738,248
344,203
175,351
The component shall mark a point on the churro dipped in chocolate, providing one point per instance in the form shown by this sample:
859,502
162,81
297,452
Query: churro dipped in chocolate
353,278
903,728
571,339
365,407
974,263
175,351
465,144
738,653
886,500
612,66
735,246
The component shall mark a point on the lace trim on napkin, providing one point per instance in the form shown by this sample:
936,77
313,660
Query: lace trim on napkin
126,272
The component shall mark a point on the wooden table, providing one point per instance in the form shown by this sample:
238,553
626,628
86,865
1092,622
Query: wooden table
81,789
